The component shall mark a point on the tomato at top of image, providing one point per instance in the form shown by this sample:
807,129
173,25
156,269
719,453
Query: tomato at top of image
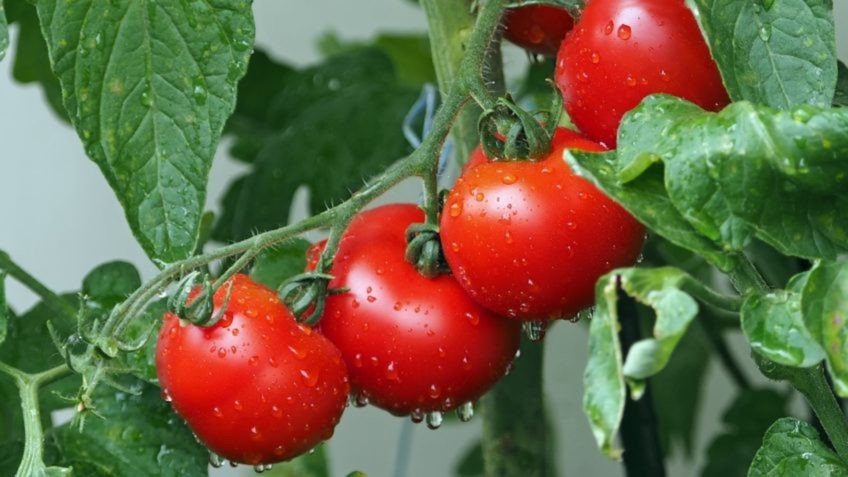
412,344
538,29
621,51
529,239
256,387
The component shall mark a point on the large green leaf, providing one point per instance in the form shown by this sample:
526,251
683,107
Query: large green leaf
745,421
825,306
334,125
746,171
774,326
148,86
604,379
647,199
32,63
781,55
137,435
793,447
410,53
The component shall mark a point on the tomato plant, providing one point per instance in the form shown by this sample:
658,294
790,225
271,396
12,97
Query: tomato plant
551,233
256,387
538,28
720,128
413,345
624,50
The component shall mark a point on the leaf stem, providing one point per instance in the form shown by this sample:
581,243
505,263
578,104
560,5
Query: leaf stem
53,300
708,296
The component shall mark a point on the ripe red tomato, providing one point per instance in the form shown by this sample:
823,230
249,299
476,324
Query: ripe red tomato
623,50
412,344
537,28
529,239
256,387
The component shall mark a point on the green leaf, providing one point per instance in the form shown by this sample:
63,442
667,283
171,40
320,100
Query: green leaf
138,436
677,391
746,171
148,86
825,307
4,32
793,447
410,54
647,199
32,63
604,378
748,417
335,125
781,56
840,98
111,283
275,265
470,463
775,328
315,463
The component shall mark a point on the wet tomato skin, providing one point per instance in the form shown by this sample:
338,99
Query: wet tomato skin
412,344
256,387
621,51
538,29
529,239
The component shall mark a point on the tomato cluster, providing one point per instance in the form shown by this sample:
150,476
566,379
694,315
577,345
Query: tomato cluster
525,240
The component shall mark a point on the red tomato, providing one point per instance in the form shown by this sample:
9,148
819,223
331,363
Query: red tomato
412,344
530,239
623,50
256,387
537,28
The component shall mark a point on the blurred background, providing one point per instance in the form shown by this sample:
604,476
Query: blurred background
60,219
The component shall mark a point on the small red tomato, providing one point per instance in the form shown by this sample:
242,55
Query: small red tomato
412,344
256,387
530,239
623,50
537,28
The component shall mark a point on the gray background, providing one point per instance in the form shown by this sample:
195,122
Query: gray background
60,219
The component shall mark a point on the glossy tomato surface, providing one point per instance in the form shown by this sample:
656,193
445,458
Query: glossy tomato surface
529,239
623,50
256,387
412,344
537,28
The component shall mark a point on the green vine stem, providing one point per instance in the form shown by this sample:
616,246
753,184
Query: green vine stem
52,300
32,461
810,382
517,438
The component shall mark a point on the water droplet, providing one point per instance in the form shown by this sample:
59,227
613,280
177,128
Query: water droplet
298,353
472,317
479,197
434,419
360,400
391,372
596,58
357,360
434,392
765,32
456,209
255,435
535,330
664,76
508,237
416,416
466,363
509,179
279,450
235,331
199,90
215,460
237,405
630,80
216,411
624,32
371,299
276,411
253,361
166,396
465,412
146,99
310,378
609,27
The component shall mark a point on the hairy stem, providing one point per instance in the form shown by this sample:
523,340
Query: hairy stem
52,300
